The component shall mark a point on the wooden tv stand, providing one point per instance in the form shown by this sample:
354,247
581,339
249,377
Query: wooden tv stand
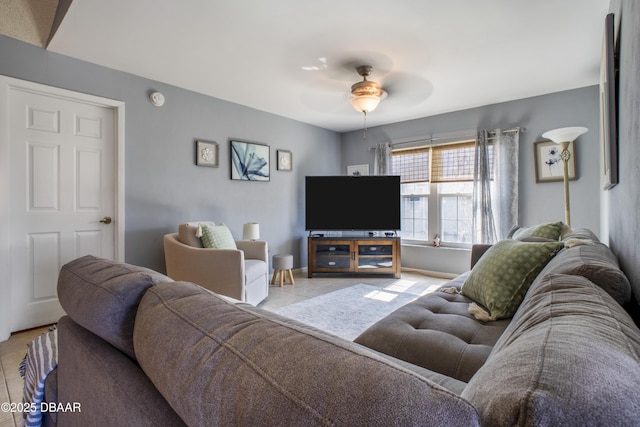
371,255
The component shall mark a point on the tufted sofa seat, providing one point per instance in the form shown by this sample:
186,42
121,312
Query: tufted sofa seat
440,321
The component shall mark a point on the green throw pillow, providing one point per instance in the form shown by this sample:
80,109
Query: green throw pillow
502,276
218,237
552,231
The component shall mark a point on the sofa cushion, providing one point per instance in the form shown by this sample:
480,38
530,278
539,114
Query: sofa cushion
217,237
597,263
189,233
501,277
254,269
551,231
103,296
579,233
436,332
569,357
232,366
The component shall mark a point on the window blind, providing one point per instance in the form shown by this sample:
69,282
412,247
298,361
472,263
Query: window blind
438,163
453,162
412,165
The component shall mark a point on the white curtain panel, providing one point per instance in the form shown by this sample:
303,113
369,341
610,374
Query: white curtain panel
382,161
483,225
495,201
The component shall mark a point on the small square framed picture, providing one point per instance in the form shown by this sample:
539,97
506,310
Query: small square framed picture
285,160
549,164
358,170
207,153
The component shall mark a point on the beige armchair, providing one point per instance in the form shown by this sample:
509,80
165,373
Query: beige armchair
238,273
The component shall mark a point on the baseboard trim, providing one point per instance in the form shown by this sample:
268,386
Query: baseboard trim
431,273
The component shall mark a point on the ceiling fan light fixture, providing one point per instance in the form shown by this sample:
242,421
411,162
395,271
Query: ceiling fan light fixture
366,95
364,103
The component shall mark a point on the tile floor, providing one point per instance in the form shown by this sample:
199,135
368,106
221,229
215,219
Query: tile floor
12,352
14,349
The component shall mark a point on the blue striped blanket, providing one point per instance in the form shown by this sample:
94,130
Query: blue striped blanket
41,359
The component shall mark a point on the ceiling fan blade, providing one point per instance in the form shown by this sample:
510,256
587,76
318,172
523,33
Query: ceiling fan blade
406,89
327,101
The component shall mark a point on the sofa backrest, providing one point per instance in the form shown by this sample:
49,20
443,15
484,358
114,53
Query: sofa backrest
219,363
586,256
570,356
592,260
103,296
580,233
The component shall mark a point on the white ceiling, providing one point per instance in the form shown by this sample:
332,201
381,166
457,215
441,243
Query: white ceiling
297,58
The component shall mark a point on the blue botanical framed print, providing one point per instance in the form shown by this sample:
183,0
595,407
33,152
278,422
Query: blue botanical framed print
249,161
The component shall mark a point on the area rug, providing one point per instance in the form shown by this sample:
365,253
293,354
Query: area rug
349,311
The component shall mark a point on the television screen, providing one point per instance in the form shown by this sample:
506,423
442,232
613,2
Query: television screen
352,203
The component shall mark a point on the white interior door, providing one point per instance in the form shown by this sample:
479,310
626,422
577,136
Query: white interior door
62,185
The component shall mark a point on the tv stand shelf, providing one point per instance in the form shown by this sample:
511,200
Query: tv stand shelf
371,255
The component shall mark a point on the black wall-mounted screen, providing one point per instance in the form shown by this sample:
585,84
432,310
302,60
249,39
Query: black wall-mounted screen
352,203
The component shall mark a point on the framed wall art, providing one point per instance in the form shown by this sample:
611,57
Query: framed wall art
249,161
207,153
358,170
608,103
549,165
285,160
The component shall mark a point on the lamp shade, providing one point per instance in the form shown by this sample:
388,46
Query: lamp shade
251,231
564,134
364,103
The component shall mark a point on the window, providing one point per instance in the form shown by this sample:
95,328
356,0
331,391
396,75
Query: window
414,210
436,191
456,211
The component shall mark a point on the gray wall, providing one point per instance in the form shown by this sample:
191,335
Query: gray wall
622,202
163,185
537,202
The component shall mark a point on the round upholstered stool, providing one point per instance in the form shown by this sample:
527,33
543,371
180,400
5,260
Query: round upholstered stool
282,264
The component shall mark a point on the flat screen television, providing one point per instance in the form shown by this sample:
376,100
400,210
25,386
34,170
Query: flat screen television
352,203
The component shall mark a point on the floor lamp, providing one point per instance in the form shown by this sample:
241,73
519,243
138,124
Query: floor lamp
564,137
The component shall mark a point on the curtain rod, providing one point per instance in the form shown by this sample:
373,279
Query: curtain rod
436,138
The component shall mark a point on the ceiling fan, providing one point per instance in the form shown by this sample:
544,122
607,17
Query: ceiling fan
330,88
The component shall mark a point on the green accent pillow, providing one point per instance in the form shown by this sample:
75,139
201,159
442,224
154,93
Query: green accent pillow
218,237
552,230
502,276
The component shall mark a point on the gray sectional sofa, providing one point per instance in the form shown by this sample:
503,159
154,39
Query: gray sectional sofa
137,348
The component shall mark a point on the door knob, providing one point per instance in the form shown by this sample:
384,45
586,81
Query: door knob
106,220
